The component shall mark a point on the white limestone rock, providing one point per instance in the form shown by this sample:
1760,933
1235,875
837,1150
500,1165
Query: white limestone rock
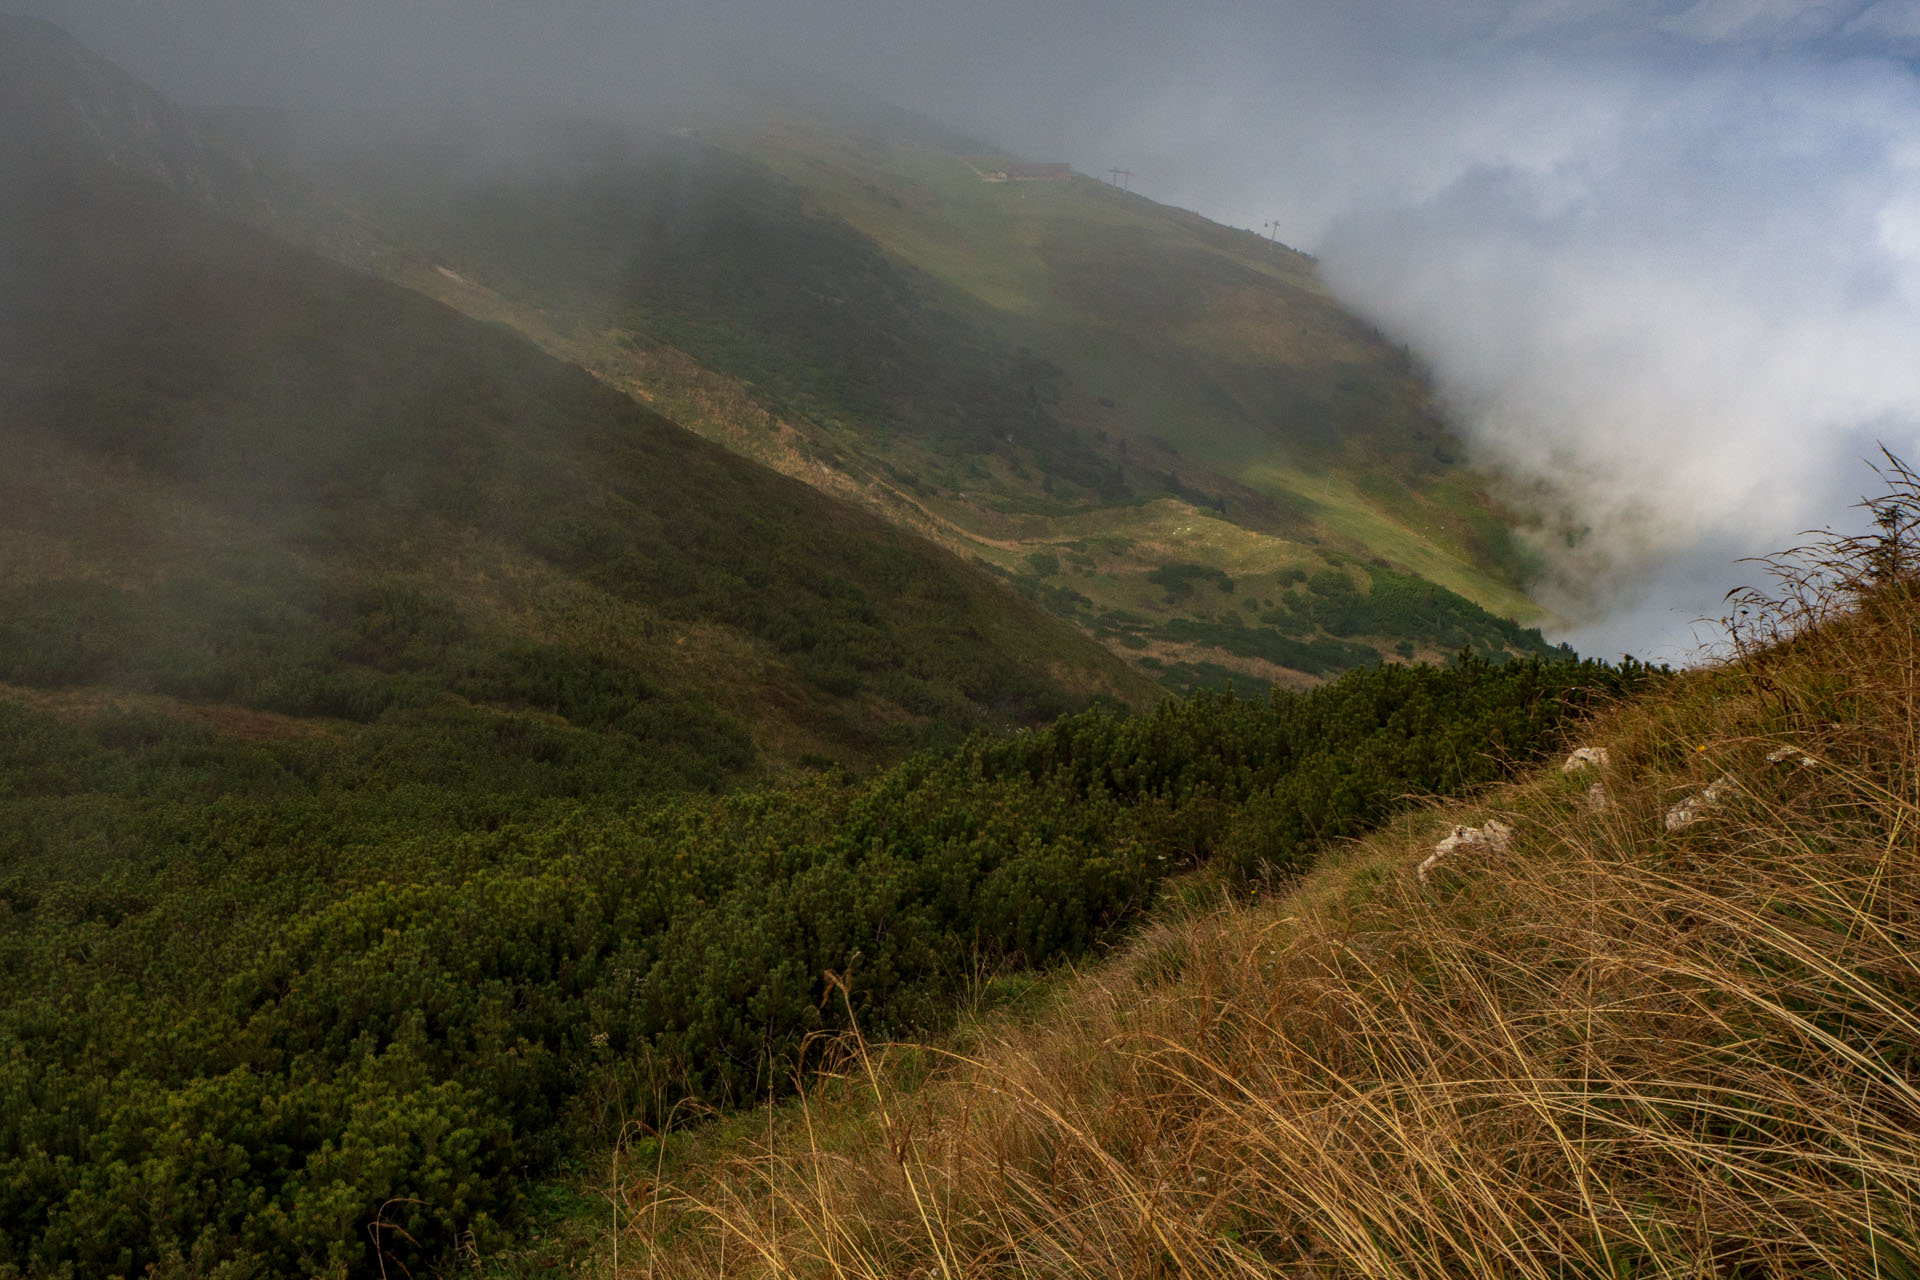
1586,758
1697,806
1494,836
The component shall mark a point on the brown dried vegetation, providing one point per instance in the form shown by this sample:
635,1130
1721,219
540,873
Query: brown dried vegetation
1611,1050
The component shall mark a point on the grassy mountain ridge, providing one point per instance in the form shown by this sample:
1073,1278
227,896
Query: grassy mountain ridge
832,289
1214,341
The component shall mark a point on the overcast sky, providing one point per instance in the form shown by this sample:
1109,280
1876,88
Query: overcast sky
1665,253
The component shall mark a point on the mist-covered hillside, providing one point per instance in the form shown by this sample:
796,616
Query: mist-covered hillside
243,475
63,102
1099,399
615,664
1082,389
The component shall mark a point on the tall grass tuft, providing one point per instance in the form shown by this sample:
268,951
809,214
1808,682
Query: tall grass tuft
1611,1049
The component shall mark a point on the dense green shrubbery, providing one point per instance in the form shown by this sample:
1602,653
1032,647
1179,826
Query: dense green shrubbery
1398,605
1177,579
1317,656
259,996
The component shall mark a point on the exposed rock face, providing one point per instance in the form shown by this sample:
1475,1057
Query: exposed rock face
1585,758
1597,800
1494,836
1699,805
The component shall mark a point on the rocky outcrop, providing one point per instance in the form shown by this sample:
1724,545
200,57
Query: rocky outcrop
1591,760
1586,758
1494,836
1701,803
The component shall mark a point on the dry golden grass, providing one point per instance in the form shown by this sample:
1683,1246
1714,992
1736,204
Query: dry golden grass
1611,1050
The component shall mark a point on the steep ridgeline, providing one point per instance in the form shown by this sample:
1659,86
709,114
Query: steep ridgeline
241,476
61,101
1093,394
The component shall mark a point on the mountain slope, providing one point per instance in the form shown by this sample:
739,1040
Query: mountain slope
1075,385
1157,429
247,475
1661,1036
60,101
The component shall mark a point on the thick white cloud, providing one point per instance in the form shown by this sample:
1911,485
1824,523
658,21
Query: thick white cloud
1695,313
1664,257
